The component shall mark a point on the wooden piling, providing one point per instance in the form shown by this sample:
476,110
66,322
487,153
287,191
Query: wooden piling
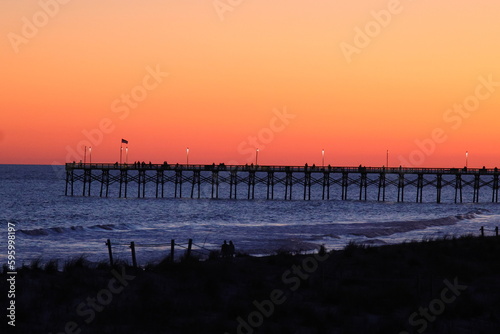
270,185
172,248
307,185
190,245
420,187
458,187
215,184
345,184
134,260
401,187
326,185
439,186
288,184
476,188
108,243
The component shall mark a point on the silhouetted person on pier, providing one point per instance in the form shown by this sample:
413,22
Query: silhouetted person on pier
224,249
230,249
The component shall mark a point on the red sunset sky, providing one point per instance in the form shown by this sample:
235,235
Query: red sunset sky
418,78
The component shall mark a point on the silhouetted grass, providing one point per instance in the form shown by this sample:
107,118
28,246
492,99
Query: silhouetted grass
356,290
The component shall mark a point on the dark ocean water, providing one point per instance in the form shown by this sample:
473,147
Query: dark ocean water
51,225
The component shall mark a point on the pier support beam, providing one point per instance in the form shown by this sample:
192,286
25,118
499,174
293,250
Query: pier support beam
345,184
326,185
196,183
178,182
123,182
270,185
420,187
458,187
363,185
401,187
477,185
288,184
141,183
381,186
87,178
215,184
251,184
307,185
159,182
494,197
70,181
233,183
439,186
104,181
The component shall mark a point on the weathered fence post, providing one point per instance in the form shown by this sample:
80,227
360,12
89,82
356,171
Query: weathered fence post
172,246
482,231
190,244
134,261
496,231
108,243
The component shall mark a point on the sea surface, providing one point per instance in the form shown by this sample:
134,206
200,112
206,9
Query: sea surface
51,225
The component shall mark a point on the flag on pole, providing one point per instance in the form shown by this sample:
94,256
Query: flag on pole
124,141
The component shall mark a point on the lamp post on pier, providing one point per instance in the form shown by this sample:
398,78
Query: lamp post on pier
323,157
256,157
90,154
187,155
466,159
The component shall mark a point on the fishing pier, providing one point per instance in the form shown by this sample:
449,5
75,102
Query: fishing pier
282,182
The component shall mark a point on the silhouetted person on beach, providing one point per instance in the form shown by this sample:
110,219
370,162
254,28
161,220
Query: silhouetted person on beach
230,249
224,249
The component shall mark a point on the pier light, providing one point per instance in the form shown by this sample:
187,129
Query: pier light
466,159
323,157
256,157
187,155
126,155
90,154
85,155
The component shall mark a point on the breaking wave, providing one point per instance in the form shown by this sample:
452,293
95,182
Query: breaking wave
373,230
59,230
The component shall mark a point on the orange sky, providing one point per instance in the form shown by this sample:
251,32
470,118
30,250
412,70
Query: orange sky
68,73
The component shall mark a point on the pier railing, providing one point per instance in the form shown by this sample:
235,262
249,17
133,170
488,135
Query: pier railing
276,168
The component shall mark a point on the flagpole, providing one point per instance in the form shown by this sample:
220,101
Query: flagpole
121,149
85,156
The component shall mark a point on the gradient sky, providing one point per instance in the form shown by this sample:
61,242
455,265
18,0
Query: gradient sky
227,80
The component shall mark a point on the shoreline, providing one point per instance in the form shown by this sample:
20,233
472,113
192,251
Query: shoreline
360,289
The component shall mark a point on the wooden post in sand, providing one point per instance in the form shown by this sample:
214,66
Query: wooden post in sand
496,231
108,243
172,246
190,244
134,260
482,231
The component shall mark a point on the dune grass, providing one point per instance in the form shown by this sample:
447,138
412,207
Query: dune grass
361,289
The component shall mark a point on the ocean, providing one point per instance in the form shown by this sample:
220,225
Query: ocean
51,225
